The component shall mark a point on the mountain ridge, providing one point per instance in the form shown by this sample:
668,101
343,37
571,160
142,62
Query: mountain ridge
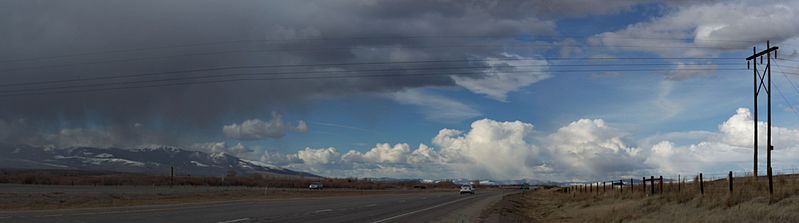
150,159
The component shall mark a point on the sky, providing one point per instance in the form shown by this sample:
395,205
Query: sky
481,89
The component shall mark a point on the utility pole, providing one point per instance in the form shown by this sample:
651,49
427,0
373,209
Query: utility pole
172,176
762,77
756,90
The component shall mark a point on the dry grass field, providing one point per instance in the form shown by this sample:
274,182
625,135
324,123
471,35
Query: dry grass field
48,189
32,197
749,202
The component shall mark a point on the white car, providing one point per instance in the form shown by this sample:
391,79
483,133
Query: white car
467,189
315,186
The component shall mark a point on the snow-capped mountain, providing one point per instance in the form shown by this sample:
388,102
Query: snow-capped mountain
154,159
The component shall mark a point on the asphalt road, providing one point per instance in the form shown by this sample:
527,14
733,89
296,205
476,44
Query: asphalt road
414,207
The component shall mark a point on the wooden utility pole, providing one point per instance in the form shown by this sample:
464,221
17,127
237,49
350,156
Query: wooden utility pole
767,87
756,91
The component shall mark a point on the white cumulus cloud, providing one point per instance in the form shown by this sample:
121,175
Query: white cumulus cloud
507,74
254,129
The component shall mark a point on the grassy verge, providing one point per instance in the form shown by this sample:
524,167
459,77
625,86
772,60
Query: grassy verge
749,202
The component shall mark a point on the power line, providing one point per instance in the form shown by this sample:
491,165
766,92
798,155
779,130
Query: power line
339,72
787,60
224,68
212,43
786,77
313,49
68,90
793,109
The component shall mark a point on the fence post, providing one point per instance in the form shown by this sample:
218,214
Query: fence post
632,186
701,184
661,184
652,184
671,185
730,179
679,183
621,186
643,185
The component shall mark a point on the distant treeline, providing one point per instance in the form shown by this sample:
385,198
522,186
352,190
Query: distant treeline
80,177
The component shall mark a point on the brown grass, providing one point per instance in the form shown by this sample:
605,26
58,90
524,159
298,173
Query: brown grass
74,177
129,196
47,189
749,202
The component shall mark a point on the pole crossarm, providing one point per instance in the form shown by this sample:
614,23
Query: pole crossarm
762,53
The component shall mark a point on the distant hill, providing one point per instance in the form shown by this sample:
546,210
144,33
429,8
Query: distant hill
155,160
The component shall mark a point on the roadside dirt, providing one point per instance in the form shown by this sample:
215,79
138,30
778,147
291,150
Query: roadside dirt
507,209
473,212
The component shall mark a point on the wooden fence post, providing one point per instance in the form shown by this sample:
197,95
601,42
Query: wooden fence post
621,186
652,184
643,184
632,186
701,184
661,184
671,185
679,183
730,179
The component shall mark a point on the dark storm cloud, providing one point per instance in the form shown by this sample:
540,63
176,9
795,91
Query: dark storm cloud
34,29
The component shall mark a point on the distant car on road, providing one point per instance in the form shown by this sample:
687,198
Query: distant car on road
467,189
316,186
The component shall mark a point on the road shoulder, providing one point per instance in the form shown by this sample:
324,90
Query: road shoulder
508,208
472,212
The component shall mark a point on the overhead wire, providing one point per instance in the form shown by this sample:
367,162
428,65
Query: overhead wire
793,109
71,89
329,49
224,42
194,78
225,68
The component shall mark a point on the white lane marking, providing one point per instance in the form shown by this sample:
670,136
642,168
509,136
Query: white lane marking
235,220
323,210
52,215
417,211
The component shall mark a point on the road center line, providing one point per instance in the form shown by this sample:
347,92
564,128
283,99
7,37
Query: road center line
417,211
235,220
323,210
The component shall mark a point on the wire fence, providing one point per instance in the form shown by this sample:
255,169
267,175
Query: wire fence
739,185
